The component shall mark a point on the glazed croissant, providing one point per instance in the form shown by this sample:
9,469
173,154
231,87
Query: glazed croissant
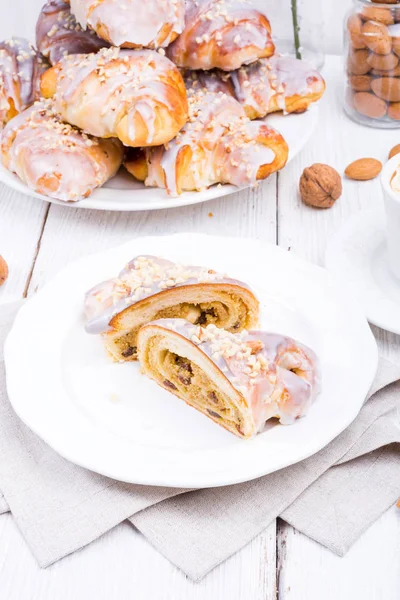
240,380
219,144
137,96
20,69
151,288
224,34
55,159
58,34
266,86
132,23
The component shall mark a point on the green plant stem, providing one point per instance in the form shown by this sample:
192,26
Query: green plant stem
296,29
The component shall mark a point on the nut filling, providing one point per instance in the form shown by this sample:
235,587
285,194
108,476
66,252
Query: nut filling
205,313
178,374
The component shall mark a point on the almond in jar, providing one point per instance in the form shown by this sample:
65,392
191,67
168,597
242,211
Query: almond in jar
372,59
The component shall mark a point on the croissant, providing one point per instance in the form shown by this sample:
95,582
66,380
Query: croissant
132,23
219,144
58,34
55,159
137,96
277,83
238,380
266,86
224,34
151,288
20,69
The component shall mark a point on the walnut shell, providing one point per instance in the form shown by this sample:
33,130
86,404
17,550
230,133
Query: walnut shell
320,186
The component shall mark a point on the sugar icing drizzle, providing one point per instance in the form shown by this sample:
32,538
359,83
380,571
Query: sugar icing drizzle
280,76
222,142
277,376
59,34
39,147
142,23
221,33
143,276
127,82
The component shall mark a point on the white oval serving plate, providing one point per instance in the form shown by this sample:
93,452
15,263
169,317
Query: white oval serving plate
123,193
109,418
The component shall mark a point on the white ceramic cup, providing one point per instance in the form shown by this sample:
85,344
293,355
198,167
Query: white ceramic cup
392,209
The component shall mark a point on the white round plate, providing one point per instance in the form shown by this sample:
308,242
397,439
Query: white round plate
356,255
124,193
109,418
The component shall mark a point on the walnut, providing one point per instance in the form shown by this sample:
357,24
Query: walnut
3,270
320,186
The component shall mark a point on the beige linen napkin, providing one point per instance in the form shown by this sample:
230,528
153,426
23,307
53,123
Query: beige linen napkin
332,497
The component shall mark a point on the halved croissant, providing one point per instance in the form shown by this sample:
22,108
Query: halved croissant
58,33
152,288
224,34
238,380
21,67
137,96
268,85
132,23
219,144
55,159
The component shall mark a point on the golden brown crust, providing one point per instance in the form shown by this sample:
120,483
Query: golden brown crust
152,106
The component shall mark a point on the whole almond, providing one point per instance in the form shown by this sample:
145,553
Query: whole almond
376,37
385,62
354,25
358,62
361,83
394,111
395,150
364,169
369,105
387,88
393,72
3,270
382,15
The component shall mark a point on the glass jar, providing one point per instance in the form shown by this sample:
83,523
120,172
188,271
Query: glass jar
372,62
297,28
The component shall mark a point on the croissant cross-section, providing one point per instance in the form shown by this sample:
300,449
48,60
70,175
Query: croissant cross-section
239,381
152,288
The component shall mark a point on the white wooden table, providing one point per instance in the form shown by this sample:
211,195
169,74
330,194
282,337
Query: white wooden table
39,239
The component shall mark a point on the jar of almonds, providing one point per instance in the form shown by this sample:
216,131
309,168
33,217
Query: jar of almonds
372,58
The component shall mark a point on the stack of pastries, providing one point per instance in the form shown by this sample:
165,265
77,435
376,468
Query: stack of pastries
174,90
193,331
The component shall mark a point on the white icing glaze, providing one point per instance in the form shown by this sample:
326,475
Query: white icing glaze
20,70
277,376
58,33
56,159
280,78
221,33
222,141
143,276
117,83
135,22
